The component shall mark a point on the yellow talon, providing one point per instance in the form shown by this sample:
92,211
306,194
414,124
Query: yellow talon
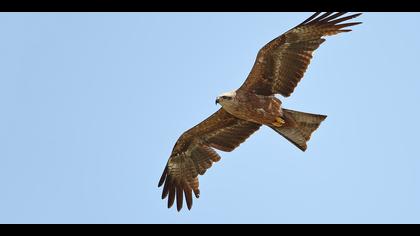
279,122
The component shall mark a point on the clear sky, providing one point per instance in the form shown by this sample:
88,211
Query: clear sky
91,105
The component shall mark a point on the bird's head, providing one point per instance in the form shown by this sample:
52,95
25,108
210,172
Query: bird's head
226,98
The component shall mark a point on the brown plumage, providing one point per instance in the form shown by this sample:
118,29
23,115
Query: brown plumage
278,68
281,63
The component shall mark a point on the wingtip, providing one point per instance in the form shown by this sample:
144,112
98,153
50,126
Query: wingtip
338,18
357,14
163,177
352,24
348,17
161,181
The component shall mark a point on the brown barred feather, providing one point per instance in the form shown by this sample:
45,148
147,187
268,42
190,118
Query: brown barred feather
193,154
282,63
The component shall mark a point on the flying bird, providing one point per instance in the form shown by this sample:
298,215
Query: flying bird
278,68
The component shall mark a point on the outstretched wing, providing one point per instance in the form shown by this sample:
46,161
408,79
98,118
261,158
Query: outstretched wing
193,154
281,63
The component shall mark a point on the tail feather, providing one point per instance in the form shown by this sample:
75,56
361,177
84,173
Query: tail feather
299,126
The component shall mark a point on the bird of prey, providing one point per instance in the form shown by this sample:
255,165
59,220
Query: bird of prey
278,68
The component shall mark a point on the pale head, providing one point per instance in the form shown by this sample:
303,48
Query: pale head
226,98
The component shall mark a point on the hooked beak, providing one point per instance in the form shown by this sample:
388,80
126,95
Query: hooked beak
217,101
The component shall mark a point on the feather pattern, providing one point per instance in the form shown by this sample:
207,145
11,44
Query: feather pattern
281,64
278,68
193,154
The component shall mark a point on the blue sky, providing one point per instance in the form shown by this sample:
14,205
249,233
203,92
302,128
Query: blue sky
92,104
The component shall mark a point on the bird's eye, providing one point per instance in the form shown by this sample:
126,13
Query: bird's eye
226,97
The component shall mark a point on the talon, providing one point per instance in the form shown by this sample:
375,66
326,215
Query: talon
279,122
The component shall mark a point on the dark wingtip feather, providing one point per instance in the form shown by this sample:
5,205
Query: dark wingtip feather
165,190
323,16
171,198
356,15
338,20
310,18
188,197
336,15
348,24
329,17
163,177
179,198
345,30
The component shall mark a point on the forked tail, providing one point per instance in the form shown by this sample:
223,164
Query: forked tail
298,127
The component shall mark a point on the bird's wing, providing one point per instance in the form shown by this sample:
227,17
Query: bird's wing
281,63
193,154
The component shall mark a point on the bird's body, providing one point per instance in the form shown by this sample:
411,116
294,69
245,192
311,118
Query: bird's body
260,109
278,68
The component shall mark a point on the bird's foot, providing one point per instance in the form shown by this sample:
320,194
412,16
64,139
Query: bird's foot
279,122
